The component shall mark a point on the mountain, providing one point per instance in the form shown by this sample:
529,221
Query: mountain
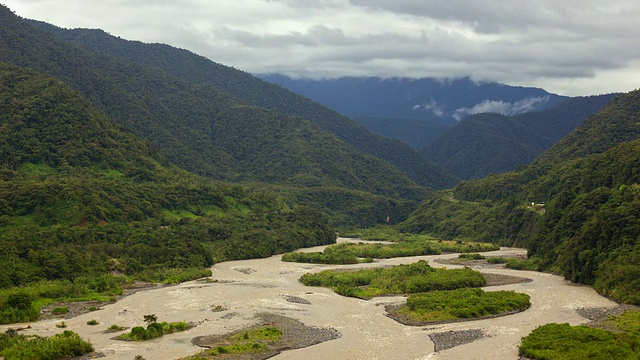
80,196
576,208
487,143
438,102
196,69
416,133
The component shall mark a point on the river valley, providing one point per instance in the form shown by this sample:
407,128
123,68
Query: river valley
239,290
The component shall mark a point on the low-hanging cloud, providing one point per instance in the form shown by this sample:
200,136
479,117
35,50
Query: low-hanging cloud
502,107
432,106
569,47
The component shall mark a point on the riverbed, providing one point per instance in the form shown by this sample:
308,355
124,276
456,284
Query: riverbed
238,290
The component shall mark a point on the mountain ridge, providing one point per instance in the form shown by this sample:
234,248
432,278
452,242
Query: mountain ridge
439,103
182,119
199,70
493,143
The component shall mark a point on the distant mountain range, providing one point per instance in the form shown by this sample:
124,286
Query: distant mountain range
471,129
440,103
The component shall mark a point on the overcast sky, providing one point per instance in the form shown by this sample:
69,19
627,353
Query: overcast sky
570,47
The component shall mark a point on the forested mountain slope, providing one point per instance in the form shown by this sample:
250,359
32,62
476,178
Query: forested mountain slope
79,196
198,127
576,207
199,70
416,133
487,143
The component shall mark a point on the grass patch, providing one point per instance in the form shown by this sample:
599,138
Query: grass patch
522,264
400,279
62,310
474,256
461,304
497,260
628,322
60,346
115,328
563,341
249,341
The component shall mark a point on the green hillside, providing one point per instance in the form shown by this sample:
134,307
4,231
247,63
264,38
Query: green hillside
79,196
199,70
416,133
198,127
576,207
487,143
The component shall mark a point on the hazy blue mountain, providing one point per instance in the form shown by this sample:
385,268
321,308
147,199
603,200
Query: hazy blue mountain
436,101
416,133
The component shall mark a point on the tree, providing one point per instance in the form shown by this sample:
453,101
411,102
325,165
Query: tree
150,318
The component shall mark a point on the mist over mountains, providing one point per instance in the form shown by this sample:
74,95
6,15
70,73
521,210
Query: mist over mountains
443,101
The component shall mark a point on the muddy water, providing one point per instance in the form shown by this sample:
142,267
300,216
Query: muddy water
244,288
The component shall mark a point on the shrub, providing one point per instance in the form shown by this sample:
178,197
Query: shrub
520,264
60,346
496,260
92,322
20,301
114,328
60,310
474,256
154,330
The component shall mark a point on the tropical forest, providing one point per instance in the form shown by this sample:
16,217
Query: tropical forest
157,204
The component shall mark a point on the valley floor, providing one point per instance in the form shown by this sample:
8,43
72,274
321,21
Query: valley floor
238,290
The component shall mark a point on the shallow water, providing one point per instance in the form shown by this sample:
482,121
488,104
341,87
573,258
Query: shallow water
252,286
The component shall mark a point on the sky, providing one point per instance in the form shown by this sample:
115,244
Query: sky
568,47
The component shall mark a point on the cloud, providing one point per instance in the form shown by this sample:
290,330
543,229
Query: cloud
569,47
432,106
502,107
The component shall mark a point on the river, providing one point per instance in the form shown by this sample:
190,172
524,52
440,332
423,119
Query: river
244,288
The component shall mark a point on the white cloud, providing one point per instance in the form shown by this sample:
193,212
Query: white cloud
570,47
432,106
501,107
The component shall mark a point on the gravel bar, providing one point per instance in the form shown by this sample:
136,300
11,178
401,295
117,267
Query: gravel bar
449,339
295,335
